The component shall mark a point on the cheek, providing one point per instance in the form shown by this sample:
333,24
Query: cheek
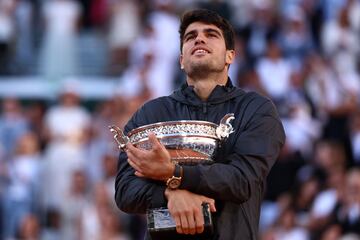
186,57
186,48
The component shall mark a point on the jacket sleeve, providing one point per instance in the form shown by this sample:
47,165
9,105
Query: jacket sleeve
246,166
134,194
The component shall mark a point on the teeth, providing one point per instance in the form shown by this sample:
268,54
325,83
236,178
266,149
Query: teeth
200,51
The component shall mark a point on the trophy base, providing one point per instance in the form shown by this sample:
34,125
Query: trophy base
162,226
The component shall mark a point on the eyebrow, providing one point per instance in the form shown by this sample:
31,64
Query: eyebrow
207,30
211,30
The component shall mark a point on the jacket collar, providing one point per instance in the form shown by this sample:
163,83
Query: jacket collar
220,93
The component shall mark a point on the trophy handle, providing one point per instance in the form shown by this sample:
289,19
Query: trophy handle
119,137
225,128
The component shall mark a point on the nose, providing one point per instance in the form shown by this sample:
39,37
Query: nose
199,39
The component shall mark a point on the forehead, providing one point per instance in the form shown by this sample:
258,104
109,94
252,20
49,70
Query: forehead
200,26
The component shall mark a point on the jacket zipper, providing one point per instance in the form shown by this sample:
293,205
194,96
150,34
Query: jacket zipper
205,111
204,108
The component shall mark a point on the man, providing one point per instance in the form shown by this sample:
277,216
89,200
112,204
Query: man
234,184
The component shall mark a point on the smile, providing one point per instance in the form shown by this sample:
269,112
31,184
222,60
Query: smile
200,51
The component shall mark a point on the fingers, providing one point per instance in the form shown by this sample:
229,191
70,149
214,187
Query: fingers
184,224
139,174
130,147
199,222
134,164
187,210
211,203
136,152
212,207
156,146
178,225
155,143
134,157
190,222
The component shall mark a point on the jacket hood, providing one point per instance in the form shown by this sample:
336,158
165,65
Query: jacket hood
220,94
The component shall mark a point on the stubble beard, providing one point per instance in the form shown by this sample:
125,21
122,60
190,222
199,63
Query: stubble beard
201,70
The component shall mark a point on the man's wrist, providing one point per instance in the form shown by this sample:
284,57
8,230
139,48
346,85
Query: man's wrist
174,181
170,172
167,193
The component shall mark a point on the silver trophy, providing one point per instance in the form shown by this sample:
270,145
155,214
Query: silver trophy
188,142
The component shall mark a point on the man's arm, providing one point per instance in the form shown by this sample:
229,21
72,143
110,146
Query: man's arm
256,148
134,194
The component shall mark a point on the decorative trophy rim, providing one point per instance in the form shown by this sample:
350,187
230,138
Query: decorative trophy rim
171,123
178,135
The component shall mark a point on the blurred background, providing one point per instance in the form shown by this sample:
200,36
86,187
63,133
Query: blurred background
69,68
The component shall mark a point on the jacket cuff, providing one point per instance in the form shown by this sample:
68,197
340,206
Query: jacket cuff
191,178
158,198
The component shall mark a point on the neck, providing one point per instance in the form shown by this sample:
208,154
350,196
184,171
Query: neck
205,85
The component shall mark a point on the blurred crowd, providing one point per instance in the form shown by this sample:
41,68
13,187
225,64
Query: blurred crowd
58,159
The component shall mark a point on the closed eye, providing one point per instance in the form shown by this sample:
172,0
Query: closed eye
189,37
212,33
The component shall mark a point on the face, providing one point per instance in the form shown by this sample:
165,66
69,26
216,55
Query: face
204,50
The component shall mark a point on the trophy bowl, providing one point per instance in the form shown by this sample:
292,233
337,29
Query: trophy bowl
188,141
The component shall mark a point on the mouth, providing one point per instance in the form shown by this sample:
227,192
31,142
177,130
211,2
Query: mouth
200,51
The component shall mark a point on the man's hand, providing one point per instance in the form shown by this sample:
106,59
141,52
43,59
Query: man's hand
186,209
154,163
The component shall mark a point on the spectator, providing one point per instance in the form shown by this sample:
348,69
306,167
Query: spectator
325,203
287,229
164,23
274,72
301,127
335,98
124,17
348,213
262,26
355,137
7,34
66,126
73,206
353,6
51,229
61,20
98,212
13,124
24,55
30,228
295,38
340,42
24,171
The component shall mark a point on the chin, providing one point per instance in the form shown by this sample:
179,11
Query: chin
199,70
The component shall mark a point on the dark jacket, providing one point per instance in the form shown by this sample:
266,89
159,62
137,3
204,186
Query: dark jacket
236,181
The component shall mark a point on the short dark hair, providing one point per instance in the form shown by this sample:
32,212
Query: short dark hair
208,17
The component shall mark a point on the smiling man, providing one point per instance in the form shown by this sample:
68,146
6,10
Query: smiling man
233,185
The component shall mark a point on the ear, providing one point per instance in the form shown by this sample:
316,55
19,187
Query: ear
230,56
181,61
